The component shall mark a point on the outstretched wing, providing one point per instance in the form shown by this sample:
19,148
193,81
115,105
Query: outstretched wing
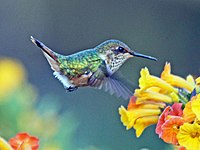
101,80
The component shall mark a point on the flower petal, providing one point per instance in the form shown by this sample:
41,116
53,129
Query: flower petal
188,114
144,122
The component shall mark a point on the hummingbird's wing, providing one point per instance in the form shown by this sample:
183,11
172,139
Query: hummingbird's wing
110,84
115,86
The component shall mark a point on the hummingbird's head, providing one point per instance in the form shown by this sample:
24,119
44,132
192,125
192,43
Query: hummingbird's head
115,53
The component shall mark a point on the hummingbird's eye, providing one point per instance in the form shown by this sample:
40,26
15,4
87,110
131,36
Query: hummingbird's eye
121,49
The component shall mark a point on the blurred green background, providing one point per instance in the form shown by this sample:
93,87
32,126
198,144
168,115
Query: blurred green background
88,118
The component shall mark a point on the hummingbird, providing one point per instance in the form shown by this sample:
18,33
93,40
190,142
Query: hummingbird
94,67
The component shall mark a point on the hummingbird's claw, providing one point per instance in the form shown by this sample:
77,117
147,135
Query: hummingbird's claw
71,89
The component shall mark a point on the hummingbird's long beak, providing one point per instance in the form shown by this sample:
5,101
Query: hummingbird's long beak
143,56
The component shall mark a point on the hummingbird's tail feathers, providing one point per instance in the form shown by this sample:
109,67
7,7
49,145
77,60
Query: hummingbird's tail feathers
50,55
45,49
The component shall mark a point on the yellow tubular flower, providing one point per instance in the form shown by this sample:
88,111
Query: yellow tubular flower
11,75
128,117
191,80
148,105
175,80
174,97
144,96
146,81
125,117
140,116
189,135
144,122
4,145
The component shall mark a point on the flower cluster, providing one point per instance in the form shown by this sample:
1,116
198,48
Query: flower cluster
171,102
22,141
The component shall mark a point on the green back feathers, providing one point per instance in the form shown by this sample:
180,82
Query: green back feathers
80,63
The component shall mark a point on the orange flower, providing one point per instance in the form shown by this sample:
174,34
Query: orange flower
169,122
23,141
162,120
175,110
170,129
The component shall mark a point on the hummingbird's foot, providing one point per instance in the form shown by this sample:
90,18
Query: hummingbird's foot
71,88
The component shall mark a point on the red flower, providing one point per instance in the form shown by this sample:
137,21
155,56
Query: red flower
23,141
176,110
